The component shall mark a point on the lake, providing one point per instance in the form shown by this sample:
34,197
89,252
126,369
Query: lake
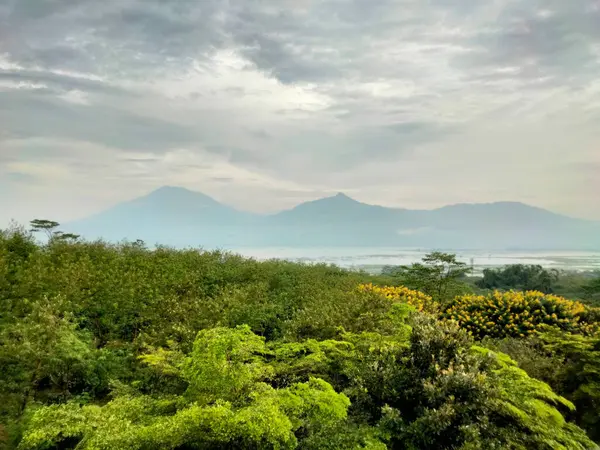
373,259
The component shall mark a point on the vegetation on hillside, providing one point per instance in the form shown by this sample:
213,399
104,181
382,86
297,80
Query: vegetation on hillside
499,315
441,272
106,346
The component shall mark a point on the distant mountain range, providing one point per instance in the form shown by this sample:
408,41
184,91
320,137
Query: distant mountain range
179,217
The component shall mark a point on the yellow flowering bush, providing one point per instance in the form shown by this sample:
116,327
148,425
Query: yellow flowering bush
417,299
501,314
516,314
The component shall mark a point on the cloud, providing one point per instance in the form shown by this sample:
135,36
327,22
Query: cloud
268,103
20,178
541,40
35,114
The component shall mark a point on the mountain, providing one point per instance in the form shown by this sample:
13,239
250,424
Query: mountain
180,217
337,209
512,225
169,215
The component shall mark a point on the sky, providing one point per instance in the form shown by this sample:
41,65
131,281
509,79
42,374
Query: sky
263,104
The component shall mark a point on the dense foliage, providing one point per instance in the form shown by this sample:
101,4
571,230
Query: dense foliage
122,347
591,290
518,314
420,301
520,277
569,363
498,315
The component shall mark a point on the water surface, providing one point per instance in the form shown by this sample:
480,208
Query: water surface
374,258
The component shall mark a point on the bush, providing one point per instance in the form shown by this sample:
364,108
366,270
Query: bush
421,302
517,314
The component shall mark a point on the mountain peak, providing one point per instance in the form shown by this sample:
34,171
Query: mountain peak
168,187
172,190
340,196
178,192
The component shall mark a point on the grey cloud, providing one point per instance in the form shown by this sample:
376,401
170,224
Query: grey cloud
314,155
260,134
63,83
327,40
410,128
141,160
39,114
296,41
540,38
17,177
106,37
286,64
321,41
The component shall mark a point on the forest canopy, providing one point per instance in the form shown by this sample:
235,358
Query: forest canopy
117,346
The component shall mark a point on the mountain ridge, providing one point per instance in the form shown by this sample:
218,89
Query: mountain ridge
182,217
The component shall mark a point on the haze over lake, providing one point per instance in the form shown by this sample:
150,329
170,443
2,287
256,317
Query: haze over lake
373,258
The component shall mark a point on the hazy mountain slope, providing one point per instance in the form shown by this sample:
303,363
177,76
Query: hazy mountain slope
512,224
498,215
177,216
169,215
339,209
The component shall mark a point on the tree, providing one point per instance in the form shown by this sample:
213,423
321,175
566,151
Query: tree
569,363
227,404
44,358
592,289
45,226
62,236
49,227
438,275
519,277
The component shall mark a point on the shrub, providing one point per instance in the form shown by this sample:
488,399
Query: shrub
516,314
420,301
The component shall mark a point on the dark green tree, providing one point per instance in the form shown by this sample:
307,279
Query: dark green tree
592,289
520,277
50,229
47,227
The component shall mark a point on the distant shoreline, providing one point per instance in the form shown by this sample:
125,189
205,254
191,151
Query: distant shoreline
372,259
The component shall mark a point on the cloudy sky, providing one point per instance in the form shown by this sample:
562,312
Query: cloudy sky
263,104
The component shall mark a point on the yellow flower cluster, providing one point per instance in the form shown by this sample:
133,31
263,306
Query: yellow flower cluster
420,301
516,314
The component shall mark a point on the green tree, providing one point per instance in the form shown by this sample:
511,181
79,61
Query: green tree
592,290
44,358
520,277
569,363
579,360
49,228
439,391
439,275
45,226
227,404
